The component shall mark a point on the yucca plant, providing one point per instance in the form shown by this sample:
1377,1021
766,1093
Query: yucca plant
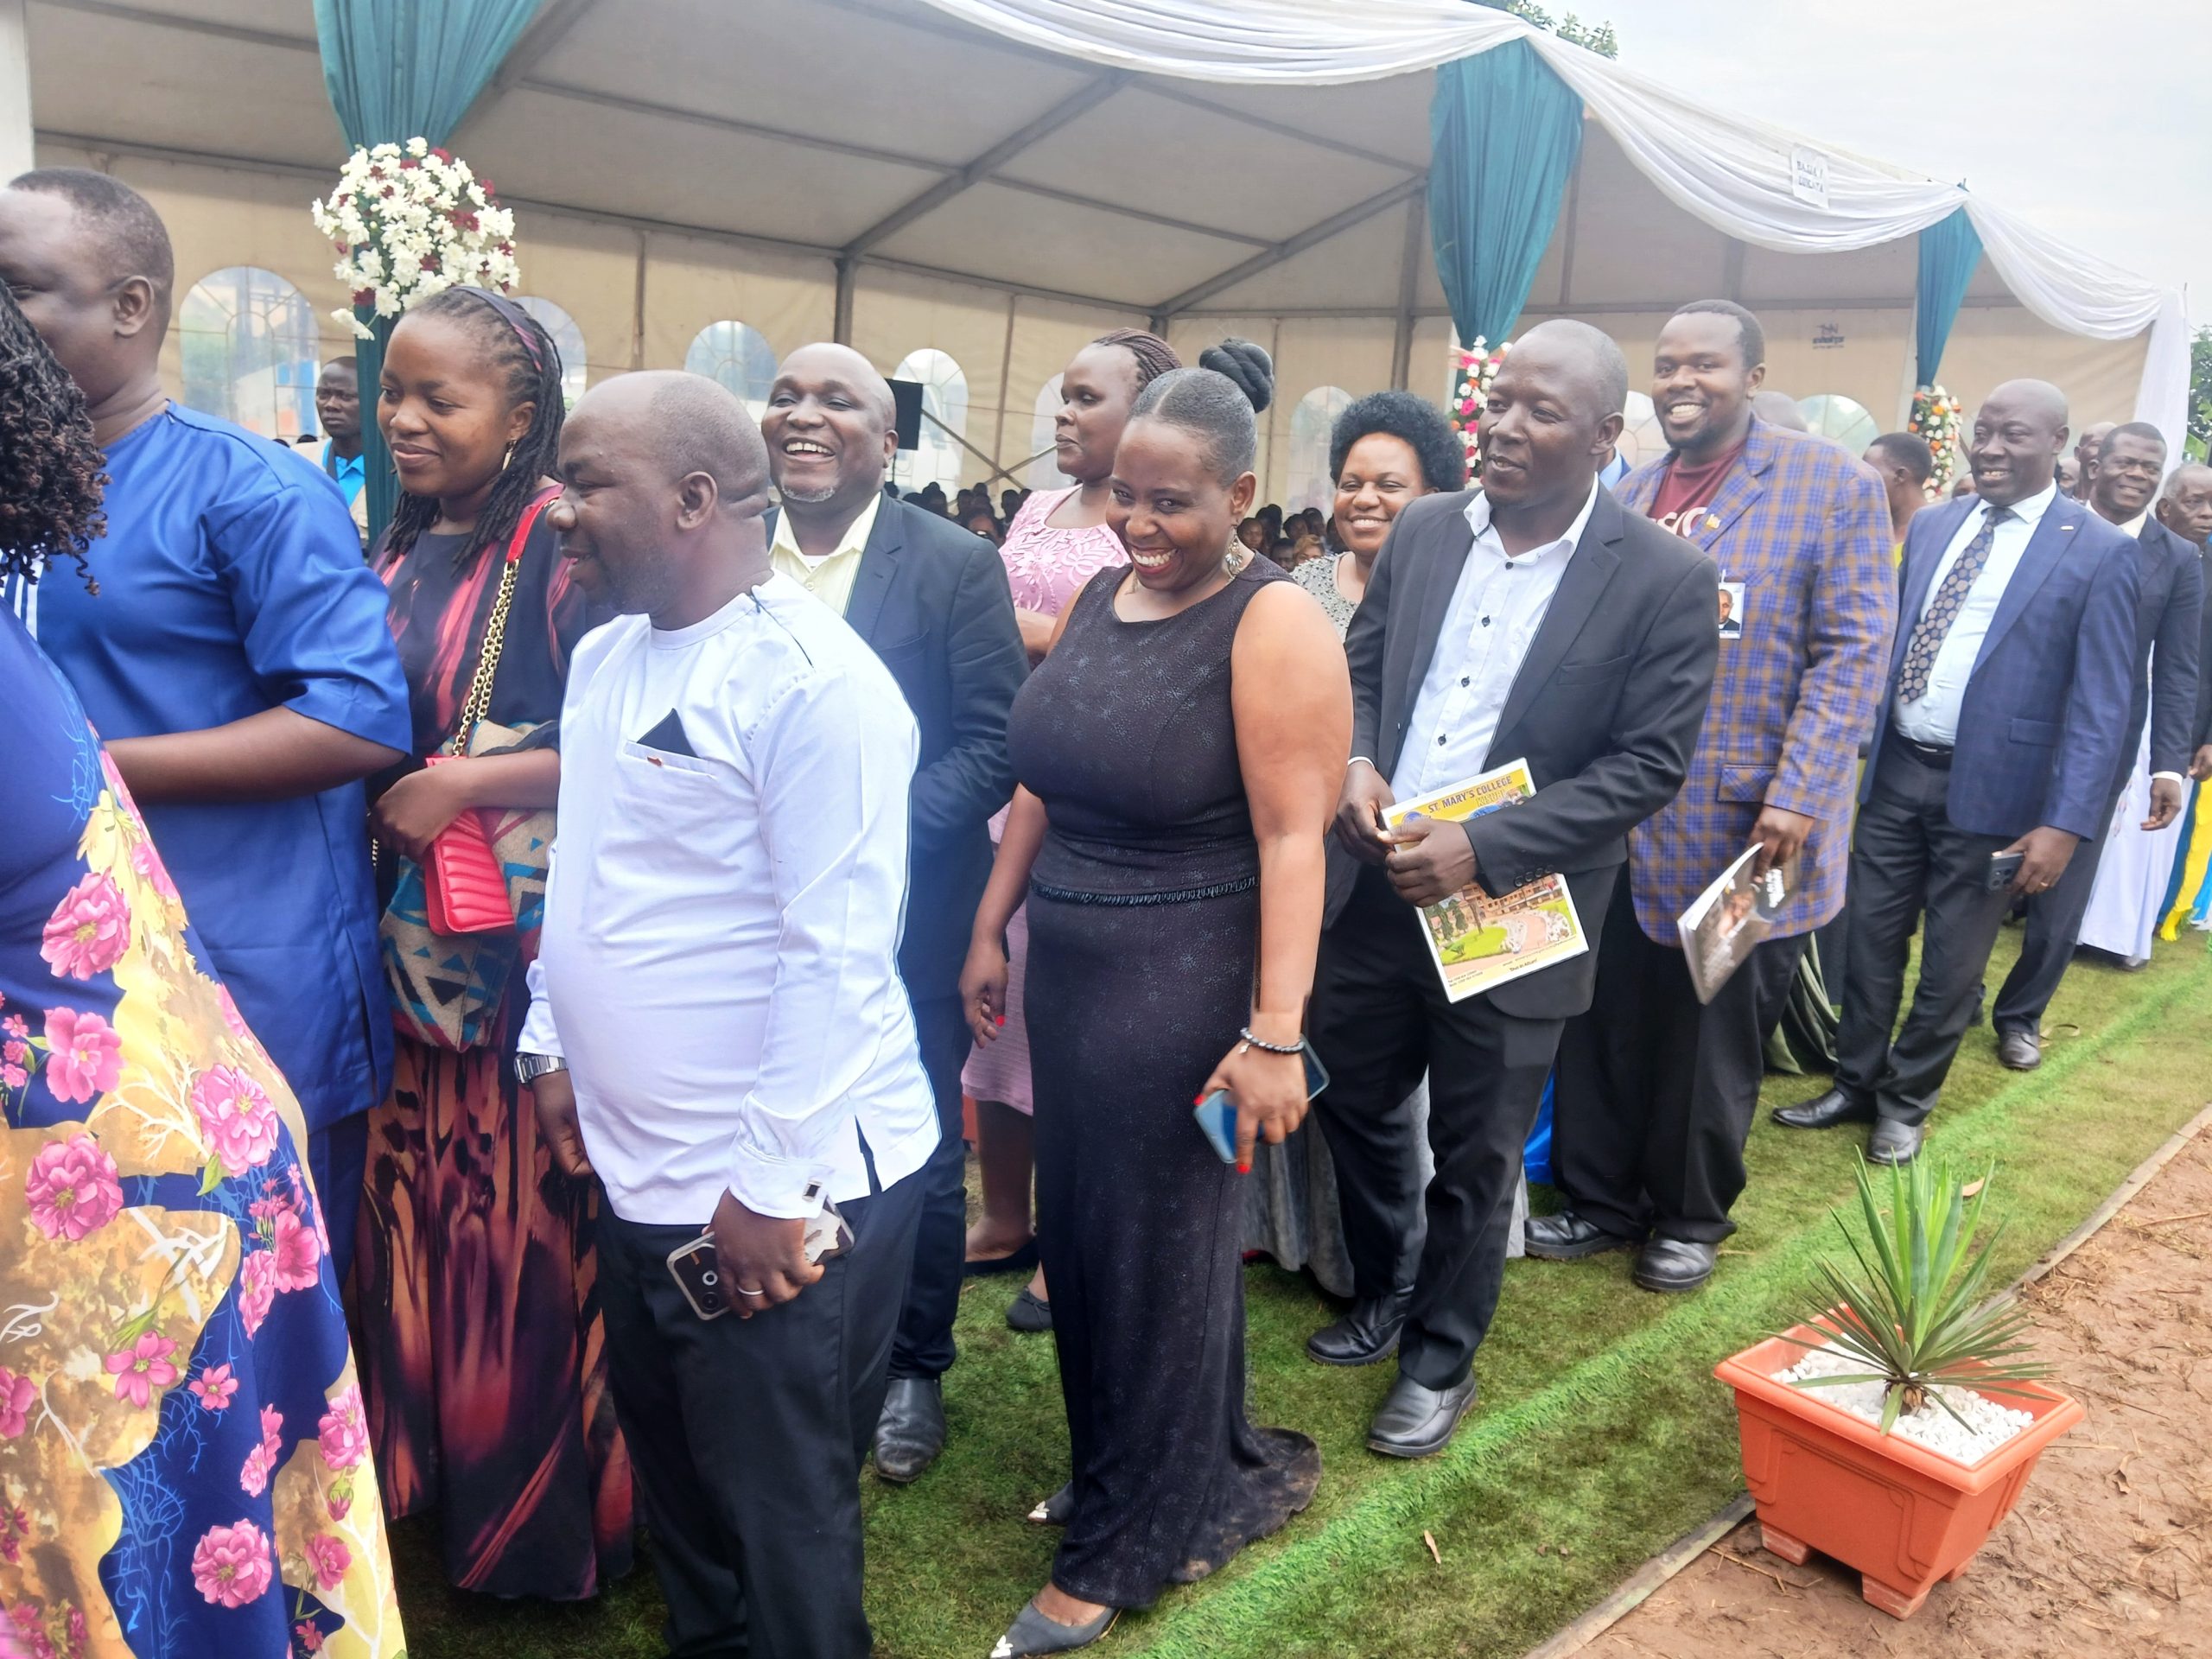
1913,1312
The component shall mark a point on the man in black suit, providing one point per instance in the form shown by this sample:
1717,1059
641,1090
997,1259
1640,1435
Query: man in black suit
2185,508
2123,479
1531,619
932,598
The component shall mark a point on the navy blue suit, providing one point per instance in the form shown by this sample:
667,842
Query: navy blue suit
2167,662
2041,731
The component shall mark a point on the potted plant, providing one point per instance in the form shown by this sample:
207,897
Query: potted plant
1860,1437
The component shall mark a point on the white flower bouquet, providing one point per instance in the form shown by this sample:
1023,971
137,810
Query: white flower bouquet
408,221
1936,418
1474,368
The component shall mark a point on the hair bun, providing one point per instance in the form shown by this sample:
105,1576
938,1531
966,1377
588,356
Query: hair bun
1247,365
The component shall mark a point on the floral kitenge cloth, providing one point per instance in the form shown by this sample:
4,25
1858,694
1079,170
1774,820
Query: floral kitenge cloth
184,1464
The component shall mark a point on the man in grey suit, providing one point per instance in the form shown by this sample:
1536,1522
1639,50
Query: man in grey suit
1531,620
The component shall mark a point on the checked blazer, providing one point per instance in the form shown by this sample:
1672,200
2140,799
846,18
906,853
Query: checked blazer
1805,527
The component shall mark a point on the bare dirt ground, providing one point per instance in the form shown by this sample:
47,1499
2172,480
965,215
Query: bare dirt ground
2109,1554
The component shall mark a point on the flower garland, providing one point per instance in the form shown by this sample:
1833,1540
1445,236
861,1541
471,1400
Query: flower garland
1935,419
1474,368
408,221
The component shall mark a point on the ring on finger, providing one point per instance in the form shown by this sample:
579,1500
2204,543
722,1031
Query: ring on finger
742,1291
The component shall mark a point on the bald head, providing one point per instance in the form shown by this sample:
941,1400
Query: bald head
2085,445
1588,357
1779,408
2019,433
831,426
2185,504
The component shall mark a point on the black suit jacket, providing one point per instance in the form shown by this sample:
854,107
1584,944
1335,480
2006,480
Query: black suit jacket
1606,707
2167,616
932,600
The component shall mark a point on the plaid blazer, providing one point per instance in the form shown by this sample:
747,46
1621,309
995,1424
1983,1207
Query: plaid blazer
1806,529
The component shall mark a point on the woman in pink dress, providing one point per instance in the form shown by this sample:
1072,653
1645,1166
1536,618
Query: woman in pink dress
1058,542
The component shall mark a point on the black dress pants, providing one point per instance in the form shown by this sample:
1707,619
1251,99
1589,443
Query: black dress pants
1909,861
746,1436
2047,942
1381,1018
1656,1092
925,1346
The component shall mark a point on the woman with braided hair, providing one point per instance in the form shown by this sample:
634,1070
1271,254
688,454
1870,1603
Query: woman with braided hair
1056,542
180,1446
481,1350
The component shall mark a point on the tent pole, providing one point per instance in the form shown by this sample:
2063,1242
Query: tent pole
1402,348
841,327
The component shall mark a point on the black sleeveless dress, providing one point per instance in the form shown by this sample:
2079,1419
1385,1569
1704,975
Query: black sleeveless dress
1144,913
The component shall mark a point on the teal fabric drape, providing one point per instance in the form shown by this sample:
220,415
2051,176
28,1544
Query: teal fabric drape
1504,134
1949,251
397,70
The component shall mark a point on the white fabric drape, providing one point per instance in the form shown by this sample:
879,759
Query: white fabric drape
1732,173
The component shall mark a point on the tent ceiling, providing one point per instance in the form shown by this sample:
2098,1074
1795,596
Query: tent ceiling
829,123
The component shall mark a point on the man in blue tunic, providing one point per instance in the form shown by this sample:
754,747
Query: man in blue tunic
236,659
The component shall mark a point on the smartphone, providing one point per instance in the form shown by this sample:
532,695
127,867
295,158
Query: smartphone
1217,1113
698,1271
2003,868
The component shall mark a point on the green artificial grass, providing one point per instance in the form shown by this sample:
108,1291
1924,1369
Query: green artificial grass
1601,1434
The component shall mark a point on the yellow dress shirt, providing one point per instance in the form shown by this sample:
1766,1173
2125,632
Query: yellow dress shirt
829,580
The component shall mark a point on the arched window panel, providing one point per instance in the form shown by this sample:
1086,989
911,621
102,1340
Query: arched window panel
1642,438
251,351
938,456
567,340
1311,423
738,358
1045,472
1831,415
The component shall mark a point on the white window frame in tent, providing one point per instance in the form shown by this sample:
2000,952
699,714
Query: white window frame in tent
1307,483
737,357
567,340
1044,472
938,457
1844,420
1643,439
271,351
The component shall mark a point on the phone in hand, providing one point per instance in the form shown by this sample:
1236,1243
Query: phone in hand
698,1269
2003,870
1217,1113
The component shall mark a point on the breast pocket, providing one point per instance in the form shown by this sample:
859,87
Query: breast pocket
670,824
1612,668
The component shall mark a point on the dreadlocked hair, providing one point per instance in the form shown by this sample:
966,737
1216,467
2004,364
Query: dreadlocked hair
1154,356
50,476
533,379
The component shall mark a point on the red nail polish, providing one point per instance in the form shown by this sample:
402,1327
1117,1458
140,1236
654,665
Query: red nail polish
1199,1100
1002,1019
1243,1169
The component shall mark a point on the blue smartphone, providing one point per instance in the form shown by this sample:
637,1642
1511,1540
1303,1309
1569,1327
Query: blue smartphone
1217,1113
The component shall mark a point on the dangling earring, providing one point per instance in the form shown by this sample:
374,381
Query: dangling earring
508,458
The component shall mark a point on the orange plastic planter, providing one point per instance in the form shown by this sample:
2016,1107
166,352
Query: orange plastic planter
1904,1516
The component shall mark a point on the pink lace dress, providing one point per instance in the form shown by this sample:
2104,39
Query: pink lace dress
1045,568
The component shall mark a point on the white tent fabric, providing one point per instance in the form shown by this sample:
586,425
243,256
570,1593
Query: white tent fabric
1756,182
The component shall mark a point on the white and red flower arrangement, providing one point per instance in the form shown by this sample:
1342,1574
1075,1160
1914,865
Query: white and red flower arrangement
1474,368
1935,419
408,221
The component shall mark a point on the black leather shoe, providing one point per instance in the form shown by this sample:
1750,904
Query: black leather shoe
1834,1108
911,1431
1414,1422
1674,1264
1568,1238
2018,1051
1893,1142
1367,1333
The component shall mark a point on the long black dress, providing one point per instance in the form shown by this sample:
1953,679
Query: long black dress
1143,933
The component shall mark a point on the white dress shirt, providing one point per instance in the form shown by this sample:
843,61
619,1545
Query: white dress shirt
1497,604
1935,719
719,962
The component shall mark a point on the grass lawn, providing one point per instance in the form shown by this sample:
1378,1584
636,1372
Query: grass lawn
1601,1434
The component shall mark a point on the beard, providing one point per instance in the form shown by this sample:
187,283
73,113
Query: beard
811,497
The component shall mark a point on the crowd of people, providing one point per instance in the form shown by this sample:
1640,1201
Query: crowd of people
543,962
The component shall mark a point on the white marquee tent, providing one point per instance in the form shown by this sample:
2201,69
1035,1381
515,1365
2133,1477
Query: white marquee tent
967,189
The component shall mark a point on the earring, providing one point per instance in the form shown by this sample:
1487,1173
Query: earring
508,459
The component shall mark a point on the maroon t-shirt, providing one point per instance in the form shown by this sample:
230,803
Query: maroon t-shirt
1685,491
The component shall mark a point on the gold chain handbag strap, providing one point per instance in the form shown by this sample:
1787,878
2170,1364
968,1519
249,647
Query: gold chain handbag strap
477,703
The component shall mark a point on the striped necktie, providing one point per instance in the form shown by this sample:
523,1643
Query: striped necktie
1935,622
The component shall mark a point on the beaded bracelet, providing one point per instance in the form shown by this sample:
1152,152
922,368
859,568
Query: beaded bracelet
1250,1041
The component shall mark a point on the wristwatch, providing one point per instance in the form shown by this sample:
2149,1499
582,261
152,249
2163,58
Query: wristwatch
529,1068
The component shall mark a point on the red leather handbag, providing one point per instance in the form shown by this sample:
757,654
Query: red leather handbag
464,889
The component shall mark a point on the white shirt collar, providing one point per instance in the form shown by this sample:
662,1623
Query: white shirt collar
1478,521
855,540
2133,528
2031,511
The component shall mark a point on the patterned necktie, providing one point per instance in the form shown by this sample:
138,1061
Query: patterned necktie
1935,622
